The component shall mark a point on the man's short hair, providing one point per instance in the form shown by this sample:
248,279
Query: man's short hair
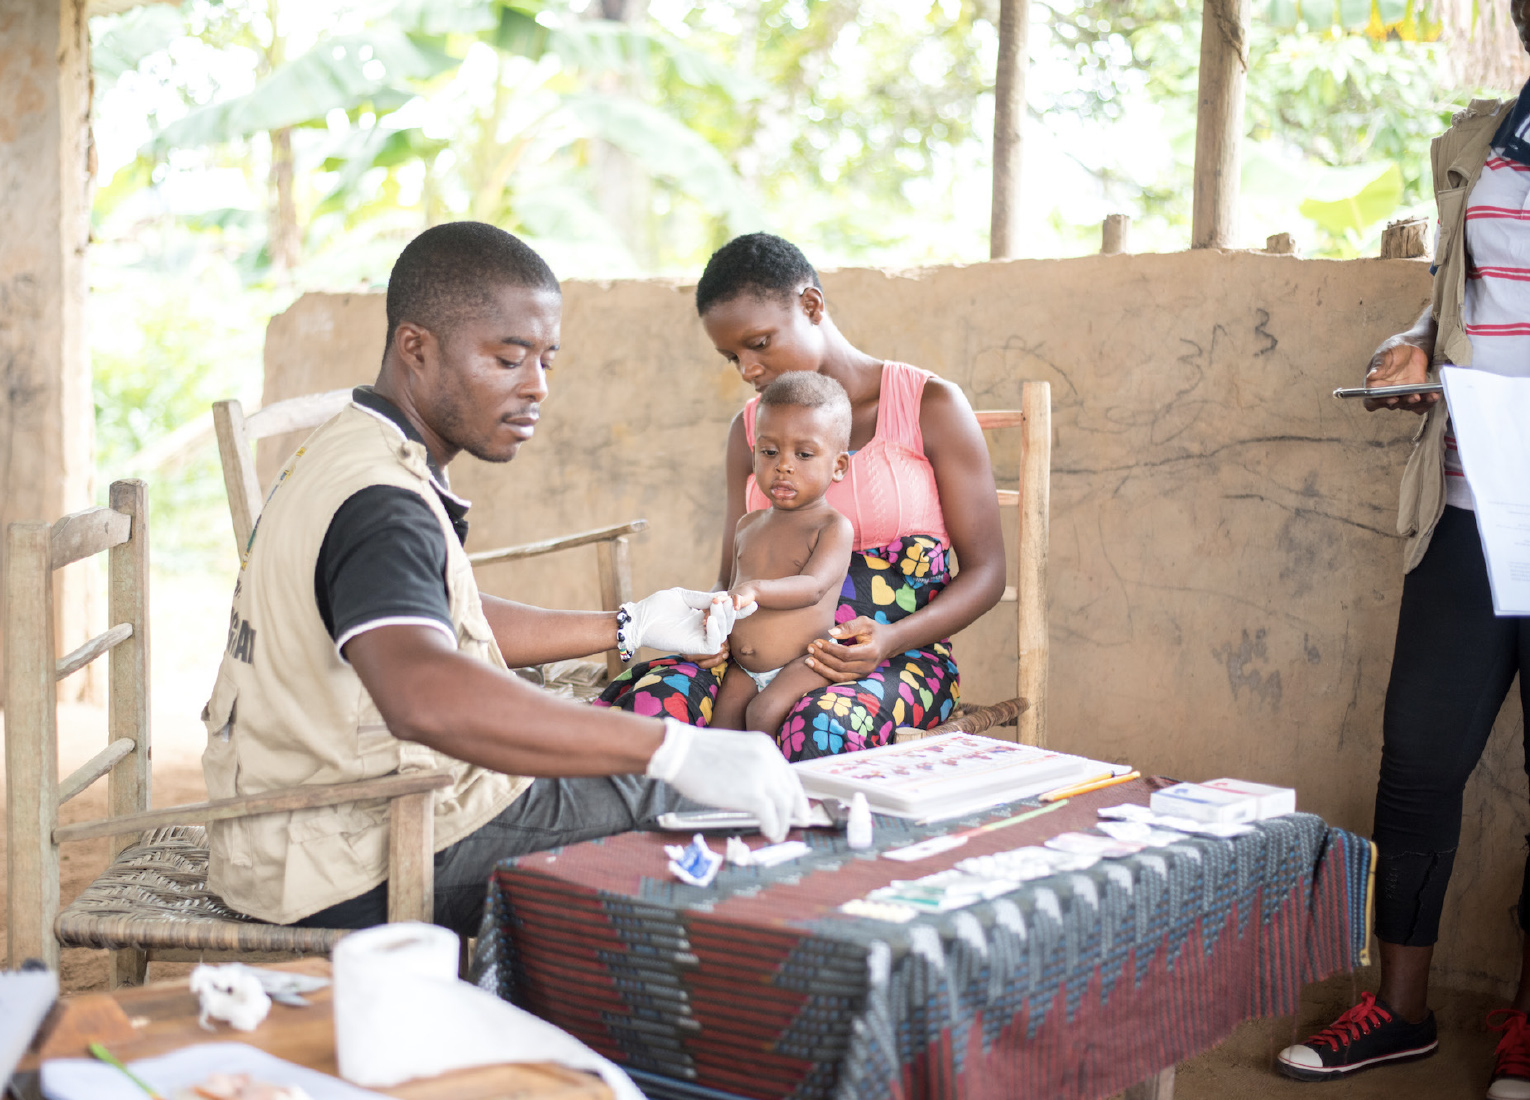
757,263
807,389
450,271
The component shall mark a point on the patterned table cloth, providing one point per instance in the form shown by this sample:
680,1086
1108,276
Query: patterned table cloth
1074,986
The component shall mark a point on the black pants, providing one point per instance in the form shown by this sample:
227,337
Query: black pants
1451,671
550,814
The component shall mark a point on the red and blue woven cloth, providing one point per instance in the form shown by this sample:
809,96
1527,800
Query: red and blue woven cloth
1074,986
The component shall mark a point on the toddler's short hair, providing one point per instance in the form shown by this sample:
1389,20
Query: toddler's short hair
810,390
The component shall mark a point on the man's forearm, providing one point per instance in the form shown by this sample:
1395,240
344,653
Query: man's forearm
530,635
430,693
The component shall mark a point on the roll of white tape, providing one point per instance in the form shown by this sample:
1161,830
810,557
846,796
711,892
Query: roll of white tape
401,1013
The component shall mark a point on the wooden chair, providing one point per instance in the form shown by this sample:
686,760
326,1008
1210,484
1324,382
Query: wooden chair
152,901
236,432
1029,592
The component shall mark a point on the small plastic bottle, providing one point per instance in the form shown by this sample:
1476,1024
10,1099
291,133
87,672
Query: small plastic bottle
858,825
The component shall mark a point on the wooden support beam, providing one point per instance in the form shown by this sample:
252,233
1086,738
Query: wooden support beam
94,768
251,805
31,749
615,562
563,542
101,643
1219,122
1407,239
1031,559
1008,121
1116,234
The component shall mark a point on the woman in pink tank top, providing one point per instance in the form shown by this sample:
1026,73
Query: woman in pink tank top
919,487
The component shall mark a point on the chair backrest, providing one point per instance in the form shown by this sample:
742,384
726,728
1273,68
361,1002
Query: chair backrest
32,671
1031,501
236,432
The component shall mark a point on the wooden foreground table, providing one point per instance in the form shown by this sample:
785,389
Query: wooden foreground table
142,1021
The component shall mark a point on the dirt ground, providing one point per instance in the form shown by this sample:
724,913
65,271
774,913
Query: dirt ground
187,633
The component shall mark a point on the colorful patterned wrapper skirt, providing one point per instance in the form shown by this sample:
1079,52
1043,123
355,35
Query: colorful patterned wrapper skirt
916,688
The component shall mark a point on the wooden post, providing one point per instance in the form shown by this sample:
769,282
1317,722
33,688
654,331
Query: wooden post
127,716
615,566
1008,122
47,420
411,857
1219,122
1405,240
239,479
31,747
1115,234
1031,559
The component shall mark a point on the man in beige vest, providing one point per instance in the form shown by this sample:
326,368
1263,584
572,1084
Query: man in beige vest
359,644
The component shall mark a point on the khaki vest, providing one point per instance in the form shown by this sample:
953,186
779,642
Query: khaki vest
1457,157
287,711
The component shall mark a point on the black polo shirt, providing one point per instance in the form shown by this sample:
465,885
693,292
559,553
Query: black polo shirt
383,560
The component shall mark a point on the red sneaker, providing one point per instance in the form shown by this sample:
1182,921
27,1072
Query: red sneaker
1511,1061
1368,1035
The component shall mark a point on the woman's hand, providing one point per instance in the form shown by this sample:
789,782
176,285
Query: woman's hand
842,663
1400,361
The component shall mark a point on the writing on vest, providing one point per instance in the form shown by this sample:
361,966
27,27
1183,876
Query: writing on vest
241,639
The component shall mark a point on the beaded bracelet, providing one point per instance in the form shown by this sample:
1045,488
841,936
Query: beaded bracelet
624,647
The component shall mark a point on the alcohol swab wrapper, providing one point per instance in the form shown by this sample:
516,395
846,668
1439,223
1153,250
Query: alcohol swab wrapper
772,854
737,852
695,864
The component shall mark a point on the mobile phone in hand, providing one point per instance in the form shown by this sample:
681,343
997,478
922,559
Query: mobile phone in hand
1390,391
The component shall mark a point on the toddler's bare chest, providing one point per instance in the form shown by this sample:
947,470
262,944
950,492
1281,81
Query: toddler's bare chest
769,550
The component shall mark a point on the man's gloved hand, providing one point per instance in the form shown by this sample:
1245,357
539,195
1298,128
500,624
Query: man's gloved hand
721,615
680,620
732,771
672,620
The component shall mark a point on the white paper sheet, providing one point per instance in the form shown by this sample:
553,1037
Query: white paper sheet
87,1079
1491,414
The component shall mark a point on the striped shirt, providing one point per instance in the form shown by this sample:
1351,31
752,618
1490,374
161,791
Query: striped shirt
1496,312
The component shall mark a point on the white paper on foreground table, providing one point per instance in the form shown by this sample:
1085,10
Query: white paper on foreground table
1491,415
87,1079
401,1013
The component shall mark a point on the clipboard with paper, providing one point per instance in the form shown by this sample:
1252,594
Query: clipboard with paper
1491,414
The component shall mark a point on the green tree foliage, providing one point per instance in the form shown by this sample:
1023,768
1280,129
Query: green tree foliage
1348,100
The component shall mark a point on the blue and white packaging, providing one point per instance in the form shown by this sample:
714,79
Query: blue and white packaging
1202,803
1273,801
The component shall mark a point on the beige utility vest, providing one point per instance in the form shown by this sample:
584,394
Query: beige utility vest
287,711
1456,157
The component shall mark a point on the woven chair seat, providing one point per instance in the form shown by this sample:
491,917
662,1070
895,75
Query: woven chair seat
155,895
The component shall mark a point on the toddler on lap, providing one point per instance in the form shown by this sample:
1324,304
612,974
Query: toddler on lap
791,558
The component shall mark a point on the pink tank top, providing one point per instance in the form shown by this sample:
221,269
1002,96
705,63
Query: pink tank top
890,489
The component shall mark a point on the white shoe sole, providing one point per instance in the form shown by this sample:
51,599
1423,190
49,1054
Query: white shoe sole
1328,1073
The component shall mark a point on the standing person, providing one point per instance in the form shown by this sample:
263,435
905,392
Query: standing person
919,486
360,645
1454,659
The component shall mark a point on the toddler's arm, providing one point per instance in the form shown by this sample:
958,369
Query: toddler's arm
824,572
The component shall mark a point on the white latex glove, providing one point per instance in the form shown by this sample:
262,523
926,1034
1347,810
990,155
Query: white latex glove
732,771
671,620
721,615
